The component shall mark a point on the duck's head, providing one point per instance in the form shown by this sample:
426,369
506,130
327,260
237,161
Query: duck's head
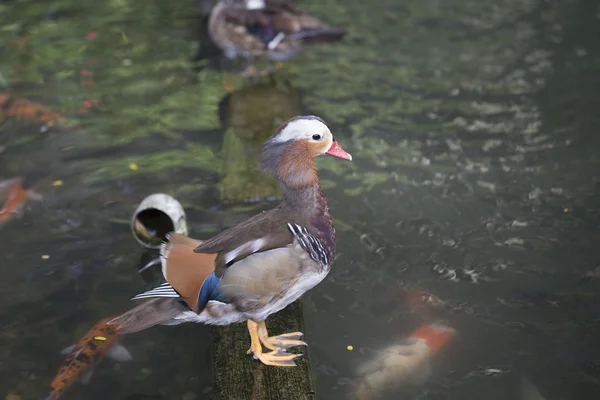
290,152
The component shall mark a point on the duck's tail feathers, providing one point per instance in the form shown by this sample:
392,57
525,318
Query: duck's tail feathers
184,270
156,311
319,35
164,290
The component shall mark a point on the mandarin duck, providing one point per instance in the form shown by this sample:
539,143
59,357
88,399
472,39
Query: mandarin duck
272,30
259,266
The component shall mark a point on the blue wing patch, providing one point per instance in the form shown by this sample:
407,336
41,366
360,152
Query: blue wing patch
208,291
265,33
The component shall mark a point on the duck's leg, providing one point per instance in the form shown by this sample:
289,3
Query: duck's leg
280,342
278,358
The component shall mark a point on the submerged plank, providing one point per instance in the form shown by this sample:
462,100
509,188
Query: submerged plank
252,115
239,377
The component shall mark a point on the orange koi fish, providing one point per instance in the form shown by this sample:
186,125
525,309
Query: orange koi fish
100,341
15,198
405,363
14,107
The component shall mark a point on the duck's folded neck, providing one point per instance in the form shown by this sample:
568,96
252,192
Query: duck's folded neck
305,197
310,204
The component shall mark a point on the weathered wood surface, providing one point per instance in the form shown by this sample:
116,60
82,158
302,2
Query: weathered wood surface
239,377
253,113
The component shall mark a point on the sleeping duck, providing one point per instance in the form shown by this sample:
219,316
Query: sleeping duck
272,30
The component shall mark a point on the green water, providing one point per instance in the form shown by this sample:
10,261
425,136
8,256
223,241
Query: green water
474,131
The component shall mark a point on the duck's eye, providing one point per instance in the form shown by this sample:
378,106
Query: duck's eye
316,136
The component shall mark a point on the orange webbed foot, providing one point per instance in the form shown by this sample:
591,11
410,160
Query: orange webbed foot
278,356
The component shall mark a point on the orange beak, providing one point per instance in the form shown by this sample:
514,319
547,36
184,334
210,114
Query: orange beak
336,151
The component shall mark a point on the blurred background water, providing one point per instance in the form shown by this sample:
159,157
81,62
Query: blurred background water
474,131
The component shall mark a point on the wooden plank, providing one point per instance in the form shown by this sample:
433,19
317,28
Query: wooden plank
251,115
239,377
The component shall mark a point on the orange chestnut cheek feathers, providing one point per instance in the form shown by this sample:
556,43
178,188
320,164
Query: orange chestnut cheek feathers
336,151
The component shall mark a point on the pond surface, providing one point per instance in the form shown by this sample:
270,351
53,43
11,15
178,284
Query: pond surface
476,174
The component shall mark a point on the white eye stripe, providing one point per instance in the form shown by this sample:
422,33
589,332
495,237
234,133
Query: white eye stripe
302,128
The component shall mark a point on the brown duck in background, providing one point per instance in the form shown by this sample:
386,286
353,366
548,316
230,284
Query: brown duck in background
273,30
260,266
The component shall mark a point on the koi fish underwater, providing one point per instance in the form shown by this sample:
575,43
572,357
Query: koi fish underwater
405,363
100,341
14,194
20,108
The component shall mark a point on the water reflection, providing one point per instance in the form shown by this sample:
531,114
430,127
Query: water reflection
251,114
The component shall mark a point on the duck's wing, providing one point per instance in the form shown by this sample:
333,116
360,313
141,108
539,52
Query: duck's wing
262,232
